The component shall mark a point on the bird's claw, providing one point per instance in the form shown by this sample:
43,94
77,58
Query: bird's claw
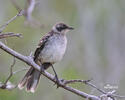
57,82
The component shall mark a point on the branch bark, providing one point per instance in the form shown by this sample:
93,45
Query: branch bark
28,60
10,34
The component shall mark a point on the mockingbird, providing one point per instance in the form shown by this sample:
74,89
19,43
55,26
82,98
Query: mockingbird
49,51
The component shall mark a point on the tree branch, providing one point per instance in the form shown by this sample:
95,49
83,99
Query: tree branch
27,12
28,60
104,94
10,34
20,13
7,84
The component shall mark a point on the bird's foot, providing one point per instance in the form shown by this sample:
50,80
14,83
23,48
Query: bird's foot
57,82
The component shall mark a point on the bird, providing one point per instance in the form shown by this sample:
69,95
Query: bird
50,50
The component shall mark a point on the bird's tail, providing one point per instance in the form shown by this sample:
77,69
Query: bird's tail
31,80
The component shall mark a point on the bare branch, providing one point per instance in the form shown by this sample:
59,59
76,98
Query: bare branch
27,13
11,71
28,60
10,34
7,84
108,96
88,82
20,13
94,86
75,81
29,9
20,70
118,96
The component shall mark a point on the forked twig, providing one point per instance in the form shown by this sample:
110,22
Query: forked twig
7,84
88,82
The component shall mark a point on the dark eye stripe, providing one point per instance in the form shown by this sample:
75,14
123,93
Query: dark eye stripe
61,28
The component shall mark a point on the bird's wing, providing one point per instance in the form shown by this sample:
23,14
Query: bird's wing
41,45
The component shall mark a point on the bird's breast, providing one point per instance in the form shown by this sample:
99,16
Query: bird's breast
54,49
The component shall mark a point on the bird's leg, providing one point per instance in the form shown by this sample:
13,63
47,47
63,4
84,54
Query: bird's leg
46,65
56,77
41,66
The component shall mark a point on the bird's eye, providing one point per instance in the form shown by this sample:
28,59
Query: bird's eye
59,28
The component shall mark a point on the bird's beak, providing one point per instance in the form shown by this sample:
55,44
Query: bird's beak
70,28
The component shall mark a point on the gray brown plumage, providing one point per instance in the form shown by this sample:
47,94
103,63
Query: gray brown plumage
49,51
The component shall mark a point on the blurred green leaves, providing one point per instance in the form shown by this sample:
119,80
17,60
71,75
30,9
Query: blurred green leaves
8,95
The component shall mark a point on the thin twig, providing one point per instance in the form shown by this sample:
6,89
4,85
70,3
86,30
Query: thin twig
10,34
115,95
87,82
7,84
94,86
20,13
20,70
31,53
29,9
75,81
11,71
27,12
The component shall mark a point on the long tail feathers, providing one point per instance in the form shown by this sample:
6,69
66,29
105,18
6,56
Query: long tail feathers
31,80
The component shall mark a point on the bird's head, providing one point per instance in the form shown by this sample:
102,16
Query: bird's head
61,28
